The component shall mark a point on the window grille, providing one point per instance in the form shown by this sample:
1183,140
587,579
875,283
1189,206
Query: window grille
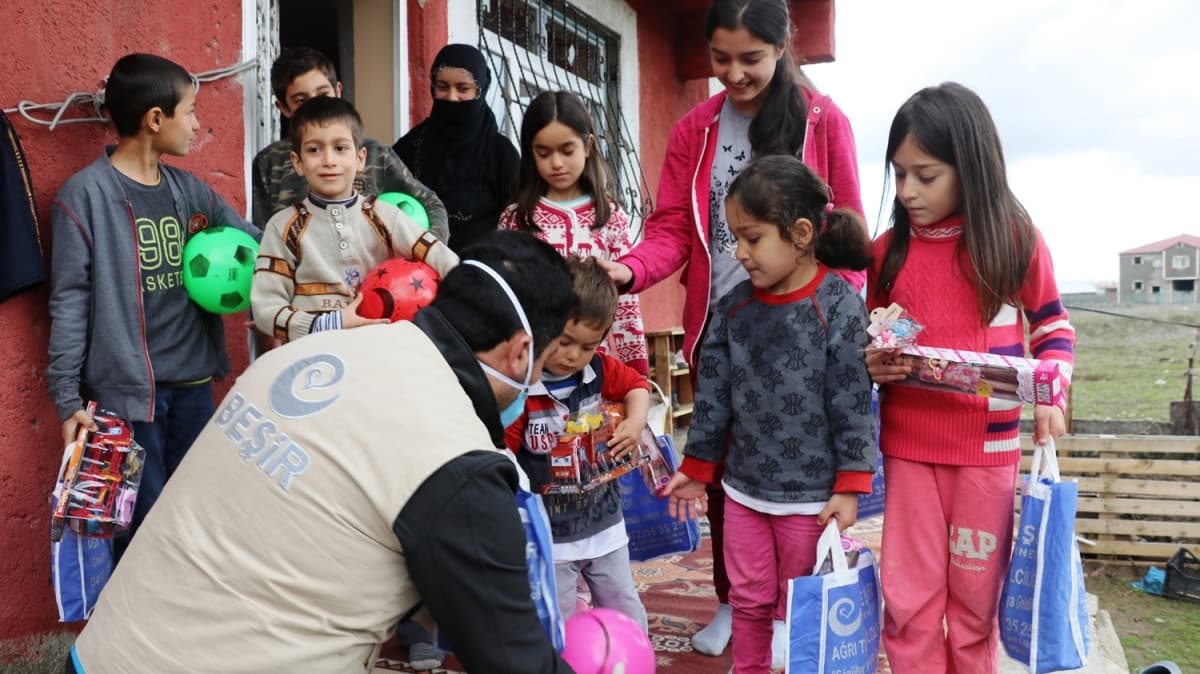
545,45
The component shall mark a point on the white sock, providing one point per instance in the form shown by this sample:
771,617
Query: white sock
779,639
713,639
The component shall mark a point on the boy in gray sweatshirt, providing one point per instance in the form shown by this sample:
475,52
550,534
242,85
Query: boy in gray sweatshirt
123,331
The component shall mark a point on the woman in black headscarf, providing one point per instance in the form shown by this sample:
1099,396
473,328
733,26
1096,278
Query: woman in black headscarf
458,151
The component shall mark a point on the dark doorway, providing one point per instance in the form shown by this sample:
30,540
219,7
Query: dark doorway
325,26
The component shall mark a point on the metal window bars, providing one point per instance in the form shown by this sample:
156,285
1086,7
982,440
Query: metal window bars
547,45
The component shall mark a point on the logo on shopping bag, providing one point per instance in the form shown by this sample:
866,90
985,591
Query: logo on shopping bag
844,617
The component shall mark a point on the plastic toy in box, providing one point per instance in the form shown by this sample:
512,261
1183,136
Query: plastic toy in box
98,481
983,374
852,547
581,460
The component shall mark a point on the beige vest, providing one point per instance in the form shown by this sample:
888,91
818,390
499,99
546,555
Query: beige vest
271,548
311,260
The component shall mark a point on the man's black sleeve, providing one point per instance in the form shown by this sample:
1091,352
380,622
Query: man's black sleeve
465,547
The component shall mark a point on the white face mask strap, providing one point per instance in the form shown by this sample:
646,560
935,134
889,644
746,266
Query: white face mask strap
512,297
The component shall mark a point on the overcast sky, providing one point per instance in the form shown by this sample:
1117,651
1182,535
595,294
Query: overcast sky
1097,103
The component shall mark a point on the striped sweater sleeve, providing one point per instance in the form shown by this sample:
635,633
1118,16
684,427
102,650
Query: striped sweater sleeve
1051,336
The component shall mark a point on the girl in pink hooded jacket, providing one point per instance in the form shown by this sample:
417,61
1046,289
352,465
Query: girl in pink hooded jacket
767,108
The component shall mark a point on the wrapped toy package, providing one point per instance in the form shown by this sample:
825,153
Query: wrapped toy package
988,375
98,480
93,499
581,460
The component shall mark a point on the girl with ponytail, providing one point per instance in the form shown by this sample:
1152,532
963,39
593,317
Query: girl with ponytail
767,107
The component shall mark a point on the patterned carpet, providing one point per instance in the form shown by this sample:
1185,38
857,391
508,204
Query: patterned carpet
679,599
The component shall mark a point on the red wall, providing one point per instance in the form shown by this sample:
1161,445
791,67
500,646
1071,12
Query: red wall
428,32
49,50
665,97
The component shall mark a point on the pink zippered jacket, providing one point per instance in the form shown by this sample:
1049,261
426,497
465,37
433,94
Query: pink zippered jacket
677,230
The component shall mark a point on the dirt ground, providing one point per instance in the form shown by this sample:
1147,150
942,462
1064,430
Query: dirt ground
1151,628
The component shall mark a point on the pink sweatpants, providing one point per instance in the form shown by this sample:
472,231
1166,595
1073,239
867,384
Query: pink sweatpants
762,552
947,537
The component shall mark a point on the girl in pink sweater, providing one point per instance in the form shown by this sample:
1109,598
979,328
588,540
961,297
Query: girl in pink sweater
563,200
963,258
767,107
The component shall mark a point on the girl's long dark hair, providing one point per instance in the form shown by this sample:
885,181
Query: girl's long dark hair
566,108
780,124
780,189
950,123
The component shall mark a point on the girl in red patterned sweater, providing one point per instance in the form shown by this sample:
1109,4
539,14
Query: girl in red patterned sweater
563,200
964,259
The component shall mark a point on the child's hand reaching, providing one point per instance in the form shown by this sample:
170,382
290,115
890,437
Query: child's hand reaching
688,498
350,317
882,367
842,506
618,272
625,437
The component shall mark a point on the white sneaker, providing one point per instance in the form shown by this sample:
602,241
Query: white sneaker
713,639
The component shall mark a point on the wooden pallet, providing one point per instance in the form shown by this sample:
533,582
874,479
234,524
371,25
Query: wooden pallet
1139,496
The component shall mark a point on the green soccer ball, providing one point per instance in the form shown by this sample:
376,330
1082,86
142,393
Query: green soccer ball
218,268
411,207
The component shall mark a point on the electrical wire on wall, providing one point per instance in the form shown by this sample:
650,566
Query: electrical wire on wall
96,99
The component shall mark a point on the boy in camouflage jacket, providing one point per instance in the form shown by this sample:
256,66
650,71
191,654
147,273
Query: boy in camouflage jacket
301,73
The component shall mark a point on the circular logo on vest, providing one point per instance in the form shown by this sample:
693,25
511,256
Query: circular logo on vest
307,386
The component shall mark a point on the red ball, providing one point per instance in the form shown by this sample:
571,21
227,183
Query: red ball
396,289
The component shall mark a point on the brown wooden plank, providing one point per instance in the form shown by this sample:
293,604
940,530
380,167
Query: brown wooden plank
1131,506
1159,551
1134,444
1127,527
1120,464
1154,468
1129,487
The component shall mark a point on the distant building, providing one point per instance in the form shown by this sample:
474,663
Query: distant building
1164,272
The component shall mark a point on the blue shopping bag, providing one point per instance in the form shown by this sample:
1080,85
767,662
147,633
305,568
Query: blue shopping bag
80,566
871,505
1043,606
833,619
539,557
653,533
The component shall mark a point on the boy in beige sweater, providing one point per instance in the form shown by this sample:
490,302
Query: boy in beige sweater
314,255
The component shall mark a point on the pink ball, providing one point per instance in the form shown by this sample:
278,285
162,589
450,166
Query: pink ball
604,641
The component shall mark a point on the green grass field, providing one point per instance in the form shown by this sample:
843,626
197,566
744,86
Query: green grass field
1150,628
1131,370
